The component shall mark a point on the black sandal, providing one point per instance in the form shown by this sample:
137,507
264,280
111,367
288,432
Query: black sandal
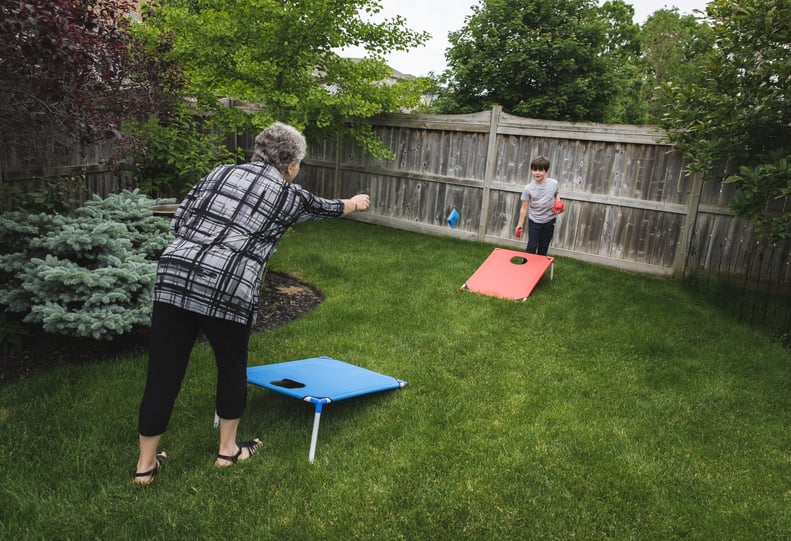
252,446
153,472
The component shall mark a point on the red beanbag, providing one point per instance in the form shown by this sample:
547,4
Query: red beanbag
558,207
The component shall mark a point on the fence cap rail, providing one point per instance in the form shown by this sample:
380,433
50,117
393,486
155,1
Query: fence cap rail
532,127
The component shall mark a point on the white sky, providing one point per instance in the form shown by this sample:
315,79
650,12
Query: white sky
438,17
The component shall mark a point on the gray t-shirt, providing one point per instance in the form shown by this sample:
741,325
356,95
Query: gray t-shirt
541,199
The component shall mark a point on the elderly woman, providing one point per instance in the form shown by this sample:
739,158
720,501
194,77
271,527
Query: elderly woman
208,280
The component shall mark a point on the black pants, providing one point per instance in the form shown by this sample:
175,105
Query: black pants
539,236
173,333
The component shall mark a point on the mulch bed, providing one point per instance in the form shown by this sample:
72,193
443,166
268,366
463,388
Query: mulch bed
284,298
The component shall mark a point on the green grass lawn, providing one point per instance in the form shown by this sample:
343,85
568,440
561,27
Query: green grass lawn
609,405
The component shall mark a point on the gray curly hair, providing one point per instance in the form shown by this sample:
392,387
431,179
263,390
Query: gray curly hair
280,145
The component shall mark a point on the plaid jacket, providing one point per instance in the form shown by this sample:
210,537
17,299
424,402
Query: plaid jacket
226,229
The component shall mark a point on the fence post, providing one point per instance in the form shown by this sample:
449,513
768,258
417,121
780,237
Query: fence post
491,168
687,234
336,176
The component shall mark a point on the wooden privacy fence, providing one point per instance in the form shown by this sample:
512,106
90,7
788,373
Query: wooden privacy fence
84,170
629,203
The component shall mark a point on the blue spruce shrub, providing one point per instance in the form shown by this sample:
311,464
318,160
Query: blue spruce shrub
87,275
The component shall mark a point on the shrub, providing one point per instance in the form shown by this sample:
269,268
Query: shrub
86,275
171,154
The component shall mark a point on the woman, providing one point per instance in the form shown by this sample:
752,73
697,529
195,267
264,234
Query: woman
209,277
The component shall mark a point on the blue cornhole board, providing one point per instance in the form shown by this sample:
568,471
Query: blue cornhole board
320,380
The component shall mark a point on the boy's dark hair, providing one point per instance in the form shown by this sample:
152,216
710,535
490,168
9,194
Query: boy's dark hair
540,163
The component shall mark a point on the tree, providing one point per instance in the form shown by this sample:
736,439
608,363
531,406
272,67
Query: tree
736,123
549,59
624,58
68,69
674,49
281,56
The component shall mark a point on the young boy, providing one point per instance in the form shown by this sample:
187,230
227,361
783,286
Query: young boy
539,200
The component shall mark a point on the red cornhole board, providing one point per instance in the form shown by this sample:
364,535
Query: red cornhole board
509,274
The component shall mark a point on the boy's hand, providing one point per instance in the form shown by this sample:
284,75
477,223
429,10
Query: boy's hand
518,231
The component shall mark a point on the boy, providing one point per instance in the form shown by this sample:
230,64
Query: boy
540,201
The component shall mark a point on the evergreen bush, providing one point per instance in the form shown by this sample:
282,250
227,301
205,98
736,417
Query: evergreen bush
89,274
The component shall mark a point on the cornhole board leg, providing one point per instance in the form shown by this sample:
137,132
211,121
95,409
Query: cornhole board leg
314,437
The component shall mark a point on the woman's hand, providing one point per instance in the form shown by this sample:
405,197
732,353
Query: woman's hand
360,201
363,201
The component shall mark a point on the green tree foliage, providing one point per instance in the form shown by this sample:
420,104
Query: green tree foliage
623,54
736,123
552,59
281,56
169,151
674,50
88,275
170,154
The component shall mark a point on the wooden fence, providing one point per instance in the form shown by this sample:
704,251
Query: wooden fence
80,171
629,203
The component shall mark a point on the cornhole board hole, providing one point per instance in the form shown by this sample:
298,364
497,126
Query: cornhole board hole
509,274
320,381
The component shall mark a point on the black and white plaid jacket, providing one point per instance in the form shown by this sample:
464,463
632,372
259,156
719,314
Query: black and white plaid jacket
226,229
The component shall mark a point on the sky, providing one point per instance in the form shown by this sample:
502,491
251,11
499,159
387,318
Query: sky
438,17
